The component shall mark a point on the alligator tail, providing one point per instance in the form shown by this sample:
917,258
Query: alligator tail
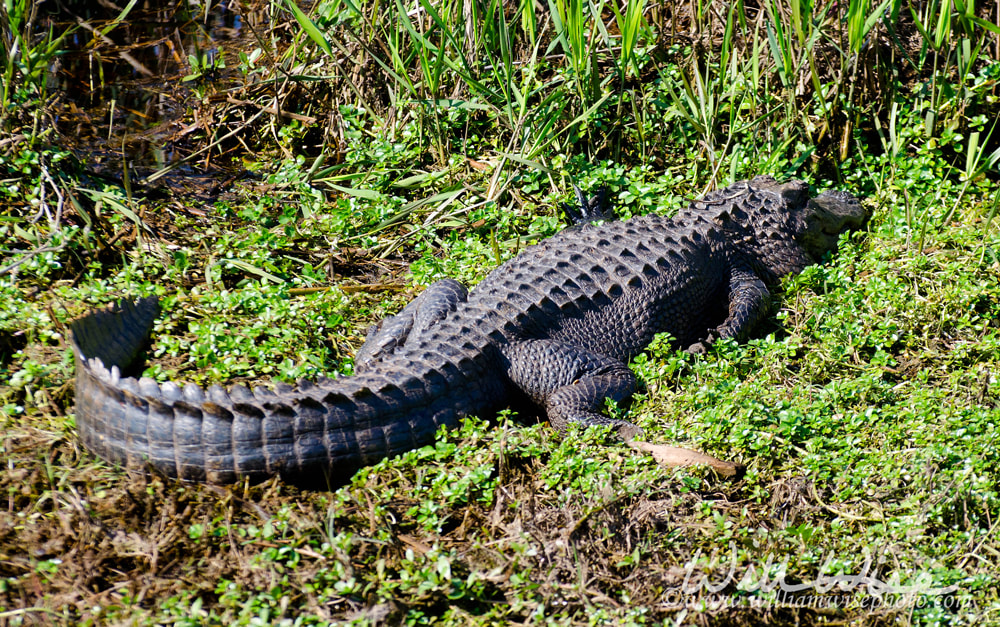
312,433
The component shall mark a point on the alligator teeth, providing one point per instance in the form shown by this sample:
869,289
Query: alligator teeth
193,394
148,388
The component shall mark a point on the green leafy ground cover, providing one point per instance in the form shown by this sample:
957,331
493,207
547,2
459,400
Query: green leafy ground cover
865,410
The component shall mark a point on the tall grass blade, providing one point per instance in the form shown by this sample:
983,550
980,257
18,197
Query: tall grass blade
309,27
943,26
629,25
252,269
780,49
860,22
119,18
529,21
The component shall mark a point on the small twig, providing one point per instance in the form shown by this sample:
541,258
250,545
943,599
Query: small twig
28,254
12,139
23,611
838,512
272,110
139,67
370,288
60,199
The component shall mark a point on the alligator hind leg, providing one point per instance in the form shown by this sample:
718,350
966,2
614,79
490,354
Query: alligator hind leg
437,301
571,383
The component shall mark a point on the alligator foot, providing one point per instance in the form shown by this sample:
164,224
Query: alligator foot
592,209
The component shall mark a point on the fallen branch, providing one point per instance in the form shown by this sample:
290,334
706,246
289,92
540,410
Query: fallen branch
674,456
28,254
272,110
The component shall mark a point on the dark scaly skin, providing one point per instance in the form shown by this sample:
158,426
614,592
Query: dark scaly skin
556,325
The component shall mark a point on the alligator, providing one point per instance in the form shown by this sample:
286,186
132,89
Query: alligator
554,326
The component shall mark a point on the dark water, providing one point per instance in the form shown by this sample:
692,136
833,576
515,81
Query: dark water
125,105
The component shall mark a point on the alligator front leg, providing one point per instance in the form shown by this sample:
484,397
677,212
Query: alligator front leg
749,303
430,307
571,383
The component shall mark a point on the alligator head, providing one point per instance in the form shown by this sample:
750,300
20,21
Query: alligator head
825,217
784,230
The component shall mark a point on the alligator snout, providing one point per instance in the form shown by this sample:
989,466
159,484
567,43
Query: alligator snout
827,216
